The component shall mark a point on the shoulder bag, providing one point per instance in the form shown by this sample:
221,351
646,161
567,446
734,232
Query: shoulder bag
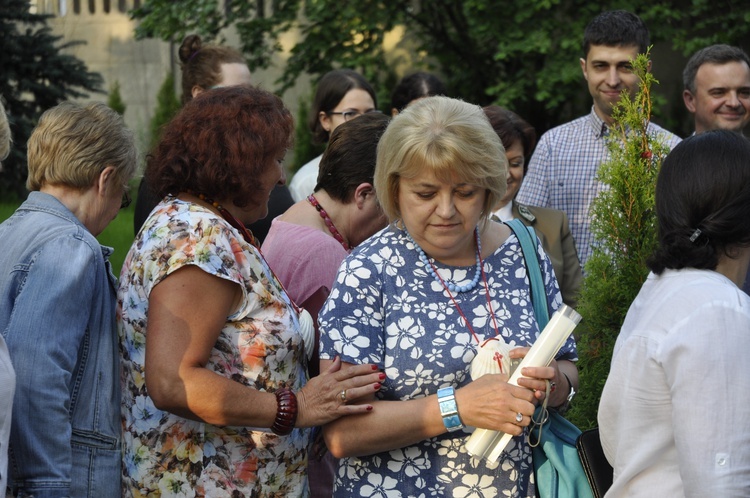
558,470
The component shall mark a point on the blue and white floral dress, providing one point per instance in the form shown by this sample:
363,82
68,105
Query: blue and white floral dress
386,309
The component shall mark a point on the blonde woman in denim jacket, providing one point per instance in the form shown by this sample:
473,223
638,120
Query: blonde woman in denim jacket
57,306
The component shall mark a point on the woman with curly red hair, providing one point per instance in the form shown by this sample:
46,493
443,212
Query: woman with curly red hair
215,396
204,67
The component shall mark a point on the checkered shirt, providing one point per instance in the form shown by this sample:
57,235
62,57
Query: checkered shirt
562,173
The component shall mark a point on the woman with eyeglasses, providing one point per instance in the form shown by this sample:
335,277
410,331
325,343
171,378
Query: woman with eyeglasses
552,227
341,95
57,305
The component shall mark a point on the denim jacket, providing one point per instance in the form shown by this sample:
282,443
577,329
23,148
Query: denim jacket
57,315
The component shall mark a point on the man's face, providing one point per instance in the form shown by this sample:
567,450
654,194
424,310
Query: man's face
722,97
608,71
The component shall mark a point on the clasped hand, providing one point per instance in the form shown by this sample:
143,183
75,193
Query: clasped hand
490,402
326,397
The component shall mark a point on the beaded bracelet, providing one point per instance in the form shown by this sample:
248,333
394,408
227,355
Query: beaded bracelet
286,415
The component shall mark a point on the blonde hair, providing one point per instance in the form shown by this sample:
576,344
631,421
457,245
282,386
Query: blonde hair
451,138
5,139
73,143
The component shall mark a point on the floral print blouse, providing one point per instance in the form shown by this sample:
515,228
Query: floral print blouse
386,309
259,346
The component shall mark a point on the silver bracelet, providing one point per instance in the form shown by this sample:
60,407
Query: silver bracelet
572,392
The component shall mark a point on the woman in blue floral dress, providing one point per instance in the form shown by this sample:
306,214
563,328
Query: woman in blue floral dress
418,298
212,348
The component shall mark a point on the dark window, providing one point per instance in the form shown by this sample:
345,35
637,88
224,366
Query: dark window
77,6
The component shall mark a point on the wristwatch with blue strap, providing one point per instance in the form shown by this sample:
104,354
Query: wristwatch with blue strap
449,409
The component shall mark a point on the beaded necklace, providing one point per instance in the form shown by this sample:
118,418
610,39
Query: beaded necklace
450,285
329,223
229,217
450,288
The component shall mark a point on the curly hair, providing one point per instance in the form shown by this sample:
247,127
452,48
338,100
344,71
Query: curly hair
220,143
702,201
201,64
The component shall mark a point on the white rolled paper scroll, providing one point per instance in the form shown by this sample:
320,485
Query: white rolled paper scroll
485,443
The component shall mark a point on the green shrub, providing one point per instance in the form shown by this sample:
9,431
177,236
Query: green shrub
167,105
624,224
114,101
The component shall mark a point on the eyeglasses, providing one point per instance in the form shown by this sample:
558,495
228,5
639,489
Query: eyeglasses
352,114
126,200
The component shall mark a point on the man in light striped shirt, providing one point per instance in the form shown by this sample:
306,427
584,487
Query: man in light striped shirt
562,171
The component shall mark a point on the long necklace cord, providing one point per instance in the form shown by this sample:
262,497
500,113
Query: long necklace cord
487,294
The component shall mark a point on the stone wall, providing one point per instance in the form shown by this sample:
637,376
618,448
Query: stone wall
139,66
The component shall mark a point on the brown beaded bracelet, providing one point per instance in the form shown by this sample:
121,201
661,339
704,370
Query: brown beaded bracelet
286,416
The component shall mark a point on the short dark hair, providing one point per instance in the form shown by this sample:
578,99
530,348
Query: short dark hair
219,144
201,64
702,201
416,86
332,88
349,159
511,128
616,28
713,54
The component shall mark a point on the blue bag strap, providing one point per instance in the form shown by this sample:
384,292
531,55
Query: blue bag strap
557,467
527,238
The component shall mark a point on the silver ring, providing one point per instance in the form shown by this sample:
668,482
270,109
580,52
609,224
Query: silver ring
342,395
519,417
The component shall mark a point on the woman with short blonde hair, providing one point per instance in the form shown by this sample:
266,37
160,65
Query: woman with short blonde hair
450,138
72,144
57,305
419,299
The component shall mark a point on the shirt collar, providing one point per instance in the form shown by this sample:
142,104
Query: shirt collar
598,126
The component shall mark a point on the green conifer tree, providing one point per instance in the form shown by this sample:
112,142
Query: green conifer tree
167,105
624,225
115,101
36,74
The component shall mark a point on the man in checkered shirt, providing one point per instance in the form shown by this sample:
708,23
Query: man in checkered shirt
563,167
